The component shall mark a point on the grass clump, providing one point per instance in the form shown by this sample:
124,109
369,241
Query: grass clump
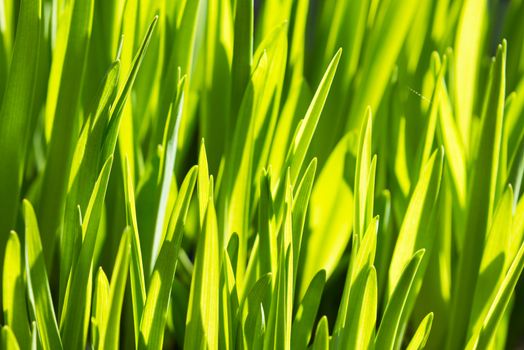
276,174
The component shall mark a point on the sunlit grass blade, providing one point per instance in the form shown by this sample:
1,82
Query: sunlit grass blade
481,199
16,112
136,272
415,231
421,335
38,285
303,135
329,222
388,33
202,317
77,302
13,292
300,205
154,313
100,307
65,124
304,321
494,262
242,53
8,339
85,168
390,326
501,300
111,133
110,329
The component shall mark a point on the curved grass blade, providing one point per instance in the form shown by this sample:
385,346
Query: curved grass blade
502,299
322,335
304,133
307,312
111,133
390,326
414,232
418,341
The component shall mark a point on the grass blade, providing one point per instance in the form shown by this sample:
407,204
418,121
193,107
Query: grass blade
13,292
38,285
202,317
483,187
421,335
16,112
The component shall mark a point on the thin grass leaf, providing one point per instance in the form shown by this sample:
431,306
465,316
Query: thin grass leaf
167,163
304,133
111,133
100,307
16,112
202,317
414,234
390,326
363,180
300,206
136,272
85,168
242,53
494,262
306,314
378,59
38,285
65,124
502,299
13,292
154,312
249,309
468,46
110,329
77,301
481,199
266,227
421,335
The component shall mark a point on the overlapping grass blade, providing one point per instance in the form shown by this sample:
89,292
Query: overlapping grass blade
38,285
202,317
13,292
481,199
306,313
77,302
16,112
390,327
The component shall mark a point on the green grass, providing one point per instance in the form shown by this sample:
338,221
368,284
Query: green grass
273,174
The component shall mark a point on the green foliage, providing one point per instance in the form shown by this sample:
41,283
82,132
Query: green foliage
273,174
